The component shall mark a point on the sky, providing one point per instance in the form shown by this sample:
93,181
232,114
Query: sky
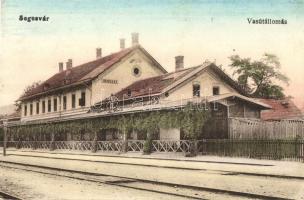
200,30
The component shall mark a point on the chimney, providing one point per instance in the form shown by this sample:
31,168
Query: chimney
69,64
98,53
122,43
179,63
134,39
60,66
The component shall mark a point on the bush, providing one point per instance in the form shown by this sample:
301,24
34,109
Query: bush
1,134
148,146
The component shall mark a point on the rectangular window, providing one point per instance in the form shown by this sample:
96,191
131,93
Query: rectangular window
73,100
82,100
37,108
196,90
216,90
25,110
49,105
31,109
43,106
55,104
64,102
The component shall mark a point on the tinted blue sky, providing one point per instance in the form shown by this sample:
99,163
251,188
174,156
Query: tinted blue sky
199,30
93,17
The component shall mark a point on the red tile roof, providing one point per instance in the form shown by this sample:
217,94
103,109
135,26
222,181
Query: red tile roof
281,109
83,73
152,85
77,74
155,85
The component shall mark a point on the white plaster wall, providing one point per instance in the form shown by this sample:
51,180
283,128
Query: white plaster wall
207,81
60,111
169,134
123,73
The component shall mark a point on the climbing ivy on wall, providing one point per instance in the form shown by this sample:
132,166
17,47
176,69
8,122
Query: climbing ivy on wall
189,119
1,134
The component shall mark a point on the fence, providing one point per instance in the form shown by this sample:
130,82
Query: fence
292,149
255,129
171,146
260,149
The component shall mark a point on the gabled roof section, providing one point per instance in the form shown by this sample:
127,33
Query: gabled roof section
218,71
281,109
167,82
85,72
217,98
152,86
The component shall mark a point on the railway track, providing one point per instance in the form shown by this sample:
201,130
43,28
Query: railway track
226,172
6,196
143,158
178,190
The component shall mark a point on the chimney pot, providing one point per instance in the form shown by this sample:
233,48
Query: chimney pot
135,39
122,43
98,53
69,64
60,66
179,63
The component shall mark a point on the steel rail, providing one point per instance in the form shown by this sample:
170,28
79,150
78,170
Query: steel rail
197,188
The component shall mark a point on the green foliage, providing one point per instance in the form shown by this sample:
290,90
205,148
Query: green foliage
26,91
260,77
1,134
148,146
190,119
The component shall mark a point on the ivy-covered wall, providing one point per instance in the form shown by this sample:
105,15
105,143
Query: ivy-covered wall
190,119
1,134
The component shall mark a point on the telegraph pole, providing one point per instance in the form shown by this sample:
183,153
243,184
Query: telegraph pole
4,137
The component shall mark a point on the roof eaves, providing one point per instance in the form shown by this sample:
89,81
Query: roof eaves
53,90
227,95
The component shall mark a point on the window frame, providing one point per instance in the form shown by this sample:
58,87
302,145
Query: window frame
31,109
195,92
25,110
43,106
49,105
82,100
64,102
218,90
73,99
37,108
55,102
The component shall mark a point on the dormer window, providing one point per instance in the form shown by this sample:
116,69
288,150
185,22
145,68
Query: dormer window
66,81
46,86
285,104
129,93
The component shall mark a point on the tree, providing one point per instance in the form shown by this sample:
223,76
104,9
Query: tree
260,78
26,90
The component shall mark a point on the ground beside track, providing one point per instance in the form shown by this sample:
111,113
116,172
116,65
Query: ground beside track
206,174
